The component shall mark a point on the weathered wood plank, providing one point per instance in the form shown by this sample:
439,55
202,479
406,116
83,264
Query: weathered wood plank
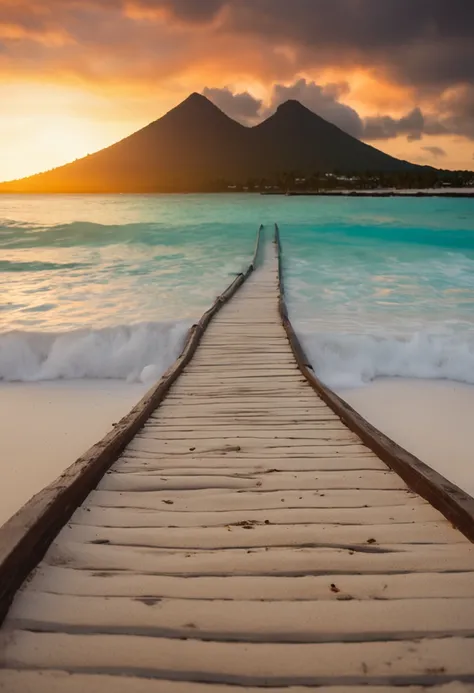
60,580
257,420
246,621
226,452
202,501
253,403
229,464
278,481
140,517
247,446
428,661
62,682
402,558
254,535
266,434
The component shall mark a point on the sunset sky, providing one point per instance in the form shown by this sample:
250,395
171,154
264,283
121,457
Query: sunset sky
78,75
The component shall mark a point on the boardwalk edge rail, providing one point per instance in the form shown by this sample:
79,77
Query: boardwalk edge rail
25,538
454,503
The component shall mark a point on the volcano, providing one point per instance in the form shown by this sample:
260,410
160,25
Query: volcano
195,147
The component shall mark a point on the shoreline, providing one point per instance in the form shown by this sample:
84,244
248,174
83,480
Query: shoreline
372,193
425,192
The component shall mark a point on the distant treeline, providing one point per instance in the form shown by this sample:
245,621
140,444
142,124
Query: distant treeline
418,179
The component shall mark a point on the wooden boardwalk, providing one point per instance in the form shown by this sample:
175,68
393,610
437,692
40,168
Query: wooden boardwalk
246,538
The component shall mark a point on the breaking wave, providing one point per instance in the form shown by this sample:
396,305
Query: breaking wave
135,353
349,360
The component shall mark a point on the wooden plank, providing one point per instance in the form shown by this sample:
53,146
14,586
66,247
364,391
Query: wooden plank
229,452
201,501
242,395
428,661
244,404
252,535
248,446
62,682
265,433
279,481
142,517
240,361
236,424
260,438
401,558
60,580
225,377
245,365
131,462
304,414
246,621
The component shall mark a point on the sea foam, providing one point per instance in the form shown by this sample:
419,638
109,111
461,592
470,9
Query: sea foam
143,351
351,360
136,353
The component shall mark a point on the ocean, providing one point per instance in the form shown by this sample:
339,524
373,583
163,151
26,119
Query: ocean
107,286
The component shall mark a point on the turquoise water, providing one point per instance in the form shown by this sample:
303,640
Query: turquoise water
106,286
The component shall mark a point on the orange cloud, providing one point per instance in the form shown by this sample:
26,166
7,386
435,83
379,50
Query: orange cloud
144,56
14,32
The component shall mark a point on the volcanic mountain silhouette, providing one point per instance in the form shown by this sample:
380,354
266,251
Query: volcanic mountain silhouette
195,146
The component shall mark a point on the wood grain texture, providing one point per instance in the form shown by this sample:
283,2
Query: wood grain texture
64,580
59,681
246,621
407,662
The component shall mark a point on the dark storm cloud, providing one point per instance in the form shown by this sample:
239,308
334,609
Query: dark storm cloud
321,100
437,152
241,106
457,109
424,42
324,100
190,11
385,127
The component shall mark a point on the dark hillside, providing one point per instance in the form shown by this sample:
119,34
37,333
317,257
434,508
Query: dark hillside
196,145
295,138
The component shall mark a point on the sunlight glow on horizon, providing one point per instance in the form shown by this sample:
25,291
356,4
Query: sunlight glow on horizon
45,126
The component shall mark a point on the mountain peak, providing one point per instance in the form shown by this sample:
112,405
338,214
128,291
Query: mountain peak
195,97
197,108
292,106
197,101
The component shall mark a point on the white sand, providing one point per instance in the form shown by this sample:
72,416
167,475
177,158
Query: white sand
45,427
432,419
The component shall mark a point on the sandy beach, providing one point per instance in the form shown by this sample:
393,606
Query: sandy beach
60,421
430,418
